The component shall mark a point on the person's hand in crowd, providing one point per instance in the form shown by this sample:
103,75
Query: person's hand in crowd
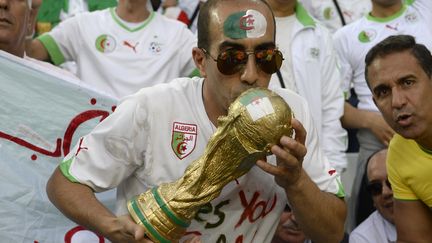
129,231
380,128
126,230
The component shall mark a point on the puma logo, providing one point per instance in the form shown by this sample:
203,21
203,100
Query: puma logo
127,44
79,146
391,27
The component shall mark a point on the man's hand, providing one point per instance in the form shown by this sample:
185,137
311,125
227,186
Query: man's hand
289,155
126,230
380,128
364,119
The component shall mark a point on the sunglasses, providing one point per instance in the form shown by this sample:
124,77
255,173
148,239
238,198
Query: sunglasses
232,61
375,188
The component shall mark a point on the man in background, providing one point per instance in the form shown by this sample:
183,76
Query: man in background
310,69
352,42
379,226
399,74
120,50
15,24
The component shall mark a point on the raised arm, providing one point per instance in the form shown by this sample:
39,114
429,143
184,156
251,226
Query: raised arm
312,207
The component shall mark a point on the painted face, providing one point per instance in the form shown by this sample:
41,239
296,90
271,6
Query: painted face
401,90
382,194
245,26
14,17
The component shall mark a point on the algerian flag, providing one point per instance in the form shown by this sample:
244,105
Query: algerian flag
257,104
245,24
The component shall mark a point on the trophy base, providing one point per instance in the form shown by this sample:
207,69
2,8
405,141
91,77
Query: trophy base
159,222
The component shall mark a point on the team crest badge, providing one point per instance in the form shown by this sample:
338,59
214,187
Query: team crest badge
367,36
314,52
328,13
155,47
105,43
183,139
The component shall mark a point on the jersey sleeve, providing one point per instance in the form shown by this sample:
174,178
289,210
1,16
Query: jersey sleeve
335,140
62,43
112,151
315,163
346,69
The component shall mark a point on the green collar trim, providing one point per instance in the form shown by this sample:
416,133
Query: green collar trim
389,18
303,16
119,22
409,2
426,150
66,5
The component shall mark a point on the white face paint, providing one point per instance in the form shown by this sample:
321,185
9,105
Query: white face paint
255,23
245,24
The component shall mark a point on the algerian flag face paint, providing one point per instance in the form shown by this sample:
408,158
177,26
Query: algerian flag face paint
249,24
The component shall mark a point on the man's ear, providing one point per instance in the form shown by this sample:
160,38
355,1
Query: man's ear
200,61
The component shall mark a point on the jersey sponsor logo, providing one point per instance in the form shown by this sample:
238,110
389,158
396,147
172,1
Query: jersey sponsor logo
392,27
367,35
129,45
183,139
331,172
80,147
105,43
411,18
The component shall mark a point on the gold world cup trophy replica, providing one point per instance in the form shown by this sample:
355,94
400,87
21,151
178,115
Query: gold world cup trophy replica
256,120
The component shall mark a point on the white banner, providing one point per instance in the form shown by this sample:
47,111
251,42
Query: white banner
42,115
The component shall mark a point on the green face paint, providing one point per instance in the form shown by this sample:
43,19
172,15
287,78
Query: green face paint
245,24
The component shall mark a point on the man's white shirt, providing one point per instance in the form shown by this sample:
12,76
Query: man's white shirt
120,60
135,149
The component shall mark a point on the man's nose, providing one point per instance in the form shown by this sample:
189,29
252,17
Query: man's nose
398,98
4,4
250,72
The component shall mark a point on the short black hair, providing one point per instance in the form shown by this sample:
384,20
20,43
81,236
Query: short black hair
400,43
204,20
